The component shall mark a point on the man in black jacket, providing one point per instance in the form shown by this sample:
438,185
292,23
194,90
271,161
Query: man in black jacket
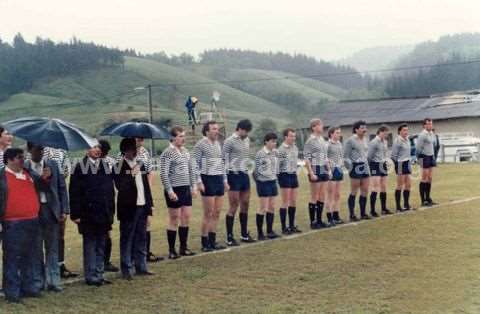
134,203
92,207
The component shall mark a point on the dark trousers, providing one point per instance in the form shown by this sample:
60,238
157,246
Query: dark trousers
133,242
93,255
19,257
47,270
61,243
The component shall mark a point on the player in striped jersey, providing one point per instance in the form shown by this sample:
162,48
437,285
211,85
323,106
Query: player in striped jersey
265,175
316,162
236,151
288,180
401,157
179,179
377,161
212,183
426,160
5,142
355,156
335,158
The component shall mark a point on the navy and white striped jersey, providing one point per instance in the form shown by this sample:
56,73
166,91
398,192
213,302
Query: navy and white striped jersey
315,151
177,168
425,143
401,149
355,150
377,150
236,152
208,158
266,165
61,157
335,154
287,158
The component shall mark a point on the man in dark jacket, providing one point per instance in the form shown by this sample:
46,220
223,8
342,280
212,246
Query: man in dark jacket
134,205
53,209
92,207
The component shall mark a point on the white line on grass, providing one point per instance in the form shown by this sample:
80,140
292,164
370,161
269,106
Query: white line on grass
305,233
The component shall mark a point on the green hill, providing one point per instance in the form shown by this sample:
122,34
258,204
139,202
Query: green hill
98,97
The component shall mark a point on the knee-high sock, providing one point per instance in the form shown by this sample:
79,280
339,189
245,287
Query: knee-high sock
183,236
270,218
311,211
421,188
283,218
243,223
260,219
428,189
229,224
406,198
319,211
291,216
362,200
373,200
398,195
171,237
351,205
383,200
212,239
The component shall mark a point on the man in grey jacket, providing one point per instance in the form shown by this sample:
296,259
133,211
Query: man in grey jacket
53,209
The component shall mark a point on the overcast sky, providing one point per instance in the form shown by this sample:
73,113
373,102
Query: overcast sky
324,29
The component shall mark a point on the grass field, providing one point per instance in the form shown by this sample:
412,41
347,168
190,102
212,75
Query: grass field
421,262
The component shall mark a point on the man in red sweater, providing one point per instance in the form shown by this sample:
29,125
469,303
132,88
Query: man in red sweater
19,207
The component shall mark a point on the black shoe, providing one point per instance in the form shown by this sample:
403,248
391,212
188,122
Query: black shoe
187,252
272,235
173,255
247,238
31,294
295,229
386,212
145,273
365,217
338,221
426,204
314,226
321,225
106,282
218,247
14,300
231,241
127,277
94,283
400,210
374,214
261,237
65,273
111,268
206,249
55,289
354,218
151,258
432,203
330,224
286,231
410,208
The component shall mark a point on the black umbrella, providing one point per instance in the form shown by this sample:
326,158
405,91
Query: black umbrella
137,129
50,132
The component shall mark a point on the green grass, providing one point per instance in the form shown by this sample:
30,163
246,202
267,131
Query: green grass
420,262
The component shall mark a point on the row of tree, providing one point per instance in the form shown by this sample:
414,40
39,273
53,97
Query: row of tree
21,63
456,73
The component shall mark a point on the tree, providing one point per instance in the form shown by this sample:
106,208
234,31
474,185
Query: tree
264,126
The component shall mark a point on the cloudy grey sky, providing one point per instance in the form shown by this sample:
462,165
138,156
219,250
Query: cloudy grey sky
324,29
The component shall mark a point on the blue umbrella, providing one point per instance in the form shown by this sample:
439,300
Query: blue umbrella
137,129
50,132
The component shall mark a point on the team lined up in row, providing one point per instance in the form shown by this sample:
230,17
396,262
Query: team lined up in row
214,170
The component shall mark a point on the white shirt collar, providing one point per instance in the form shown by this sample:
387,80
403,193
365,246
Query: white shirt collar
19,175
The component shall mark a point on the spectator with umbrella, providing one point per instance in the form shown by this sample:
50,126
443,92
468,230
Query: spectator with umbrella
135,204
140,131
190,105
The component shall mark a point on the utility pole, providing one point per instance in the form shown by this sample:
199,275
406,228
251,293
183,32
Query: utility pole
150,118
